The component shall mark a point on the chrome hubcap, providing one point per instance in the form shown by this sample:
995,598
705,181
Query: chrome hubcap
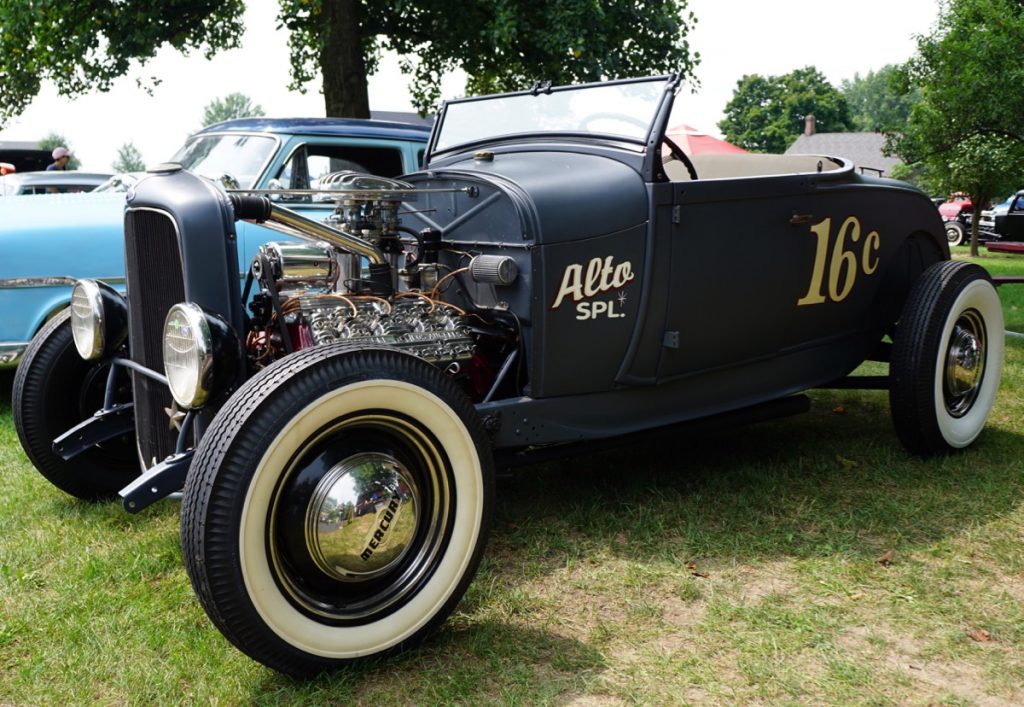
362,517
359,517
965,363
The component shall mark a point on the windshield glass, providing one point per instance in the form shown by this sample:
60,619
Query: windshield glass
240,156
625,110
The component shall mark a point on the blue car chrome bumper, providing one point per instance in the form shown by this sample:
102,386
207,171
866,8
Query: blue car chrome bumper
10,353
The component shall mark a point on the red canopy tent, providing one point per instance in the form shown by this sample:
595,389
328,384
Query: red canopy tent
695,142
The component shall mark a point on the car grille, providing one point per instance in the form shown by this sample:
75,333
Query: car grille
153,271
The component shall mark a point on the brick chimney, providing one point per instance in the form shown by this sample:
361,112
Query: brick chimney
810,127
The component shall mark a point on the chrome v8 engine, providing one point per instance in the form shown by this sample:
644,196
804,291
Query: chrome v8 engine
426,328
314,293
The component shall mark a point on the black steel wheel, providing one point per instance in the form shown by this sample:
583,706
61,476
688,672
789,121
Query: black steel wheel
337,507
955,233
54,390
947,359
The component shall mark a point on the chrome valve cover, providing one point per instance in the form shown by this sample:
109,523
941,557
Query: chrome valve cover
428,329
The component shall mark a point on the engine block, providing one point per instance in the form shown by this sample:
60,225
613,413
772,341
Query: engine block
431,330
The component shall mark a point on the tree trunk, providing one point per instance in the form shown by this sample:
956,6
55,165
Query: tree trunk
975,222
341,61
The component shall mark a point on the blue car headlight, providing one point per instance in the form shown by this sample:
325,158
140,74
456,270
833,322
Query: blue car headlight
200,355
99,319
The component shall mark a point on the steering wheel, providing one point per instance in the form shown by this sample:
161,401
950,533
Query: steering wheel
678,153
674,149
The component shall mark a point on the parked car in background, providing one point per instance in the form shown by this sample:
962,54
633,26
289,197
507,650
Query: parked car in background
50,182
49,241
993,226
550,280
956,216
24,156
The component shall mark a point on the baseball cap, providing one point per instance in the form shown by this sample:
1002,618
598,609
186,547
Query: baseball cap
59,152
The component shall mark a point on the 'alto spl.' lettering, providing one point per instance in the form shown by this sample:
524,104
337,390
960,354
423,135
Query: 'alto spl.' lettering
593,310
600,276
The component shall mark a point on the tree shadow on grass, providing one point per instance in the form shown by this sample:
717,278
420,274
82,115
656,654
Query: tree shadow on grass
482,662
835,480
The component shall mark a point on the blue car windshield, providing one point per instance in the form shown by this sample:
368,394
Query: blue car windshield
623,109
242,157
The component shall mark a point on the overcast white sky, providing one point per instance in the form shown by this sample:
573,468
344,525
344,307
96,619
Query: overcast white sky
734,37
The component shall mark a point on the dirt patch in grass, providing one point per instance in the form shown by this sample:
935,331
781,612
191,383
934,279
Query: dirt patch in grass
930,678
1014,586
770,578
592,701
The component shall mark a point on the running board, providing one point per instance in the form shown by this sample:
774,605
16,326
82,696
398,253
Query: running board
773,409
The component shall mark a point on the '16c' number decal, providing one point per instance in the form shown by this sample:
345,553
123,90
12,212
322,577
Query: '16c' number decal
844,264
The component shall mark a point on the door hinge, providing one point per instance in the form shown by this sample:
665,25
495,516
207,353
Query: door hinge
671,340
677,214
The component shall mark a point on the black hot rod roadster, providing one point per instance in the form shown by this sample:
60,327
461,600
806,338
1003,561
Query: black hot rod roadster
559,272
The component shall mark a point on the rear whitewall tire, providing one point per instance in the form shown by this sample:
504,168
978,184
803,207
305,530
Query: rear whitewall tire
938,403
978,296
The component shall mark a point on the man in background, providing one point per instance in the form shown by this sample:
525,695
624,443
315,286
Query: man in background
61,157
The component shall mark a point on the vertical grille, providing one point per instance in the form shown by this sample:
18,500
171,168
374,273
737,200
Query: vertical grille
153,271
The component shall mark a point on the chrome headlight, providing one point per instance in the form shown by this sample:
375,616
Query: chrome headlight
200,355
99,319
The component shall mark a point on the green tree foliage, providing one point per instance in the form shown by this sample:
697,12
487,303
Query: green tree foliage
129,159
83,45
984,166
766,114
233,105
969,78
54,140
500,44
967,124
877,100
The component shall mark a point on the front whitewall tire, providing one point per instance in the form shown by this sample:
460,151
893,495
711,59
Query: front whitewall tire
325,422
354,642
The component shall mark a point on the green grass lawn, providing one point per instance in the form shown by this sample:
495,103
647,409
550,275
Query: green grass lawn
1011,295
736,567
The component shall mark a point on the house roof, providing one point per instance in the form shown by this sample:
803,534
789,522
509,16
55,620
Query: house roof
864,149
18,145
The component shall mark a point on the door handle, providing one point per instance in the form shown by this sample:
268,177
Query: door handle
797,219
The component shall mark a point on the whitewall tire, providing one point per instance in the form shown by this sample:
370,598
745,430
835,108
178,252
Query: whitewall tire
947,359
337,508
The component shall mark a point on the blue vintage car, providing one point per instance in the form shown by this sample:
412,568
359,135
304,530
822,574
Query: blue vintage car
49,241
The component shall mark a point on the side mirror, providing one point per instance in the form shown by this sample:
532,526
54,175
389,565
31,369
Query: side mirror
228,180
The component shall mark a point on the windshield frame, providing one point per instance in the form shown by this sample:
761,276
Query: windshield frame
654,128
261,172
